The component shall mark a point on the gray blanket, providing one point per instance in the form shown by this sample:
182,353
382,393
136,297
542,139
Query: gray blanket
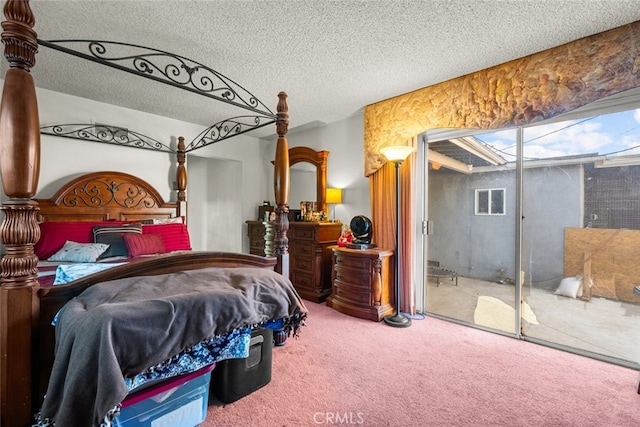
119,328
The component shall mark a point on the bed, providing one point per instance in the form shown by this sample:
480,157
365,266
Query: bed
108,206
27,307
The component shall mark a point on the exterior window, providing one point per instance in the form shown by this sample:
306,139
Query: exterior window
490,202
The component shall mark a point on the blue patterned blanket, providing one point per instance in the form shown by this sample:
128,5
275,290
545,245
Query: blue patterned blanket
117,329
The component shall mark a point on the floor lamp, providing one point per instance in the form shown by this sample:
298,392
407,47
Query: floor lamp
397,154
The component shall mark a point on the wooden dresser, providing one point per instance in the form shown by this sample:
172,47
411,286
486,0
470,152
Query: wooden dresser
310,259
362,282
261,234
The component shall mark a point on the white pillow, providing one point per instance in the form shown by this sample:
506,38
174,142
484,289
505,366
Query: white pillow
79,252
570,287
174,220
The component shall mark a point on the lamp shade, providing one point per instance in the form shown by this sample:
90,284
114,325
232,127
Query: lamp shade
396,153
334,195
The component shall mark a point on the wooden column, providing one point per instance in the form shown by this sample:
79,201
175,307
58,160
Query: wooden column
20,169
321,179
181,179
281,185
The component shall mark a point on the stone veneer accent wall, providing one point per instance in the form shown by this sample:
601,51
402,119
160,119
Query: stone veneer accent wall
518,92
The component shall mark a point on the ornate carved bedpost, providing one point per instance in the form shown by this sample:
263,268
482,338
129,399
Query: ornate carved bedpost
20,169
181,178
281,187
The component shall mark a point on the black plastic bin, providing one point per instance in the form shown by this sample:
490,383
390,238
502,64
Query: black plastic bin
233,379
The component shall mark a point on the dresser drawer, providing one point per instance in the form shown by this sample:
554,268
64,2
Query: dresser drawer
257,251
257,231
259,248
356,278
355,262
302,233
306,264
303,249
257,242
352,295
302,280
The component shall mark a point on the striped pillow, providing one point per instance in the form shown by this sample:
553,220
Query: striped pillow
112,235
143,244
175,237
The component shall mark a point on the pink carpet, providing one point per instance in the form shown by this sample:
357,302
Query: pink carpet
347,371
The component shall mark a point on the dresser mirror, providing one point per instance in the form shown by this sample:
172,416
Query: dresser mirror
304,162
303,184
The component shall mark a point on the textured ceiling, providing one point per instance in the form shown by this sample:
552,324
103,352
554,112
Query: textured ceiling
331,57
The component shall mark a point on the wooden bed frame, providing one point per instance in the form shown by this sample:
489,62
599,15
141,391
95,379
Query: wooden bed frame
105,196
26,310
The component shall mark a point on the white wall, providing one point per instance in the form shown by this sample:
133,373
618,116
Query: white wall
220,181
249,162
63,158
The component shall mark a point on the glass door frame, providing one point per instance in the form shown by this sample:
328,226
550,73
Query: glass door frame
621,102
425,226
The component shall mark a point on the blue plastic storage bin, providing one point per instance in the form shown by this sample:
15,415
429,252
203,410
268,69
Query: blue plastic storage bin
182,405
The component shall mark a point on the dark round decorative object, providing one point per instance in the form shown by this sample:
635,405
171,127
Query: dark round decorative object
361,229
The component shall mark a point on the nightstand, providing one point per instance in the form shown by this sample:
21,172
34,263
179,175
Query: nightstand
362,282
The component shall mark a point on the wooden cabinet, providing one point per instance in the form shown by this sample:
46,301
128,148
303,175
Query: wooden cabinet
261,234
362,282
310,259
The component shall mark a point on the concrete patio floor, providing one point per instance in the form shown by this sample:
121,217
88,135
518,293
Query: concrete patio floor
602,326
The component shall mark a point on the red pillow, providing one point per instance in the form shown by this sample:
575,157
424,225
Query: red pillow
53,235
174,236
143,244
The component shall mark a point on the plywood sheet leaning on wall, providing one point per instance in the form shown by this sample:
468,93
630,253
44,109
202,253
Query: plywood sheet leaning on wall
610,256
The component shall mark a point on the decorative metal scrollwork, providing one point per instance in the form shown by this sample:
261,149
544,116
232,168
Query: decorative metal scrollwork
165,67
228,128
106,134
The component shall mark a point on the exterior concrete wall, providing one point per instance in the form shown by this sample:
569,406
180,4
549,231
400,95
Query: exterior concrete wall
479,246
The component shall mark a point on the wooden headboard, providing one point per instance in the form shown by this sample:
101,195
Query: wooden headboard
104,196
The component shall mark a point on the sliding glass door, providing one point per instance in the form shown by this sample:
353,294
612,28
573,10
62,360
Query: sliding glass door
554,208
581,239
471,241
